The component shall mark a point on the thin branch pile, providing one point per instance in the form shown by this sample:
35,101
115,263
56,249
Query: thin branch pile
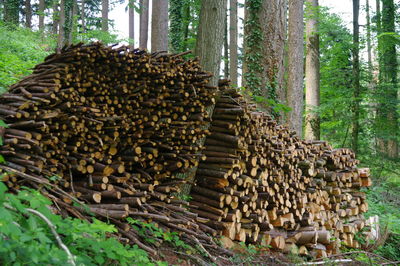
112,127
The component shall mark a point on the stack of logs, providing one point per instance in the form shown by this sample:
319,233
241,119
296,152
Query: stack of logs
112,127
262,184
117,128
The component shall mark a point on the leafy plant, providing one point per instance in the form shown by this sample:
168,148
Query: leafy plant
26,239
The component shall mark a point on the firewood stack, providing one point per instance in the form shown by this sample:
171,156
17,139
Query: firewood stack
112,127
262,184
116,128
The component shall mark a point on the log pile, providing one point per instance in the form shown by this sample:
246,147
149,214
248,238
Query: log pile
112,127
262,184
116,128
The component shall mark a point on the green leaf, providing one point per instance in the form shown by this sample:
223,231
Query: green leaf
2,158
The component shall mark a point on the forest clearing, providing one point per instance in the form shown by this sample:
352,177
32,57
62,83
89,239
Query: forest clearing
237,133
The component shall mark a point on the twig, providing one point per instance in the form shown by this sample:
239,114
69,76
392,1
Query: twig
56,235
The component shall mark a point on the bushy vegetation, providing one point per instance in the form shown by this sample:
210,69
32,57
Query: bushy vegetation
20,50
26,239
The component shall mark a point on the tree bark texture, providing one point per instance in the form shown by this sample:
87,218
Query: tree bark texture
28,14
233,42
144,24
273,25
210,36
159,26
60,39
295,66
387,118
41,14
176,25
11,12
104,15
56,18
83,17
312,128
131,23
356,78
226,49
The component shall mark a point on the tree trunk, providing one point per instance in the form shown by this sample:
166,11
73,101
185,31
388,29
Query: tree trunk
233,43
73,21
60,39
28,14
295,66
186,23
144,24
56,18
210,36
104,15
176,23
41,14
226,49
369,46
312,128
159,26
265,35
273,26
356,78
83,17
131,24
11,12
387,118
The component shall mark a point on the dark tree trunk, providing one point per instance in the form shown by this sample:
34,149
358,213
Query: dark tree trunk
144,24
61,32
233,43
131,23
104,15
159,26
56,18
11,12
176,24
28,14
387,118
356,78
226,49
41,15
210,36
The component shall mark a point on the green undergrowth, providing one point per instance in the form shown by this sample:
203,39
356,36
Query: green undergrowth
20,50
26,239
384,201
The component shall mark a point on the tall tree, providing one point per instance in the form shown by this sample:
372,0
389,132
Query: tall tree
104,15
56,18
312,127
265,35
273,19
61,31
295,66
159,26
28,14
131,23
176,25
83,17
356,78
233,42
387,117
226,49
369,46
11,12
41,14
144,23
210,36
